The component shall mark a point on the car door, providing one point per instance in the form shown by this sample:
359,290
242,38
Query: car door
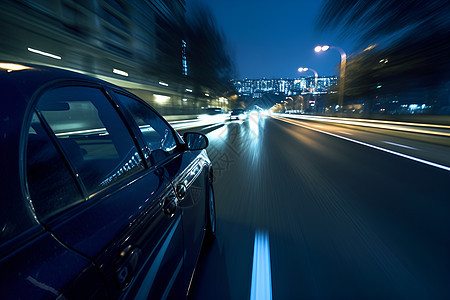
187,170
128,222
190,184
33,263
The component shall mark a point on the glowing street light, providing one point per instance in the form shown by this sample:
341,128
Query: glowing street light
315,75
321,48
342,75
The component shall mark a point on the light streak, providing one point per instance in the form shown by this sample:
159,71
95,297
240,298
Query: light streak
446,168
13,67
120,72
44,53
161,98
347,133
376,123
261,288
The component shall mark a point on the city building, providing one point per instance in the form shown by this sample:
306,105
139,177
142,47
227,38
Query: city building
139,45
135,38
256,88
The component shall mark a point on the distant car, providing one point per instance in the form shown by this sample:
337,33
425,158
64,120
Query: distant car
212,111
213,115
237,114
100,197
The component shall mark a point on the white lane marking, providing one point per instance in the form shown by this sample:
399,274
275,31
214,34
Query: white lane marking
399,145
261,288
347,133
214,125
446,168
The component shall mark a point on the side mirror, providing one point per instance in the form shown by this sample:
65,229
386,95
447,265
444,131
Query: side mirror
195,141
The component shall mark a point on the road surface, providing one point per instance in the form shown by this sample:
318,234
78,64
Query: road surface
304,211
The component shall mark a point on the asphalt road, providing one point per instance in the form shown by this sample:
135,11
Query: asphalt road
333,219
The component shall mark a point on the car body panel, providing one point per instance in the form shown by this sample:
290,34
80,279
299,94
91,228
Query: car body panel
190,181
43,274
125,240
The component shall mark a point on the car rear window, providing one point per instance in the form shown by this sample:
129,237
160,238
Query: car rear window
93,136
51,185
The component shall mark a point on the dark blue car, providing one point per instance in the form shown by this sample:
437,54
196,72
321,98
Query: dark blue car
100,197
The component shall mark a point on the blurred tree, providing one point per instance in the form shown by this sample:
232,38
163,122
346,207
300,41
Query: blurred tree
410,37
298,102
209,61
386,19
278,108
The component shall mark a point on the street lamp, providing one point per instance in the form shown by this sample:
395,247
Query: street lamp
315,75
342,75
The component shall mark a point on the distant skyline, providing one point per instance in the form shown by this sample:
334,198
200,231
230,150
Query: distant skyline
273,38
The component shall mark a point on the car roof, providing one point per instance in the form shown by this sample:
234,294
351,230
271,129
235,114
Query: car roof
20,81
27,78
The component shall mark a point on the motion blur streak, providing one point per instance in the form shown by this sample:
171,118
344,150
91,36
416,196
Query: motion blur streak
261,275
400,126
12,67
254,125
186,124
335,119
44,53
399,145
446,168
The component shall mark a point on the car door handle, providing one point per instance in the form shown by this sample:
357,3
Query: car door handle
170,205
127,266
181,191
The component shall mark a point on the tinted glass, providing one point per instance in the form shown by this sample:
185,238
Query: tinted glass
92,135
51,185
158,136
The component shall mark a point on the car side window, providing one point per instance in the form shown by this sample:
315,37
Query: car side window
92,135
51,185
158,136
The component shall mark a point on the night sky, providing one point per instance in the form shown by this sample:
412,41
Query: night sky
273,38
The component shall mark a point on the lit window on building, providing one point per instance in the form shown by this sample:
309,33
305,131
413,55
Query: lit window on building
183,58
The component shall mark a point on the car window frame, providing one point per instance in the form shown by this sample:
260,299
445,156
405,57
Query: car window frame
71,171
89,199
180,145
